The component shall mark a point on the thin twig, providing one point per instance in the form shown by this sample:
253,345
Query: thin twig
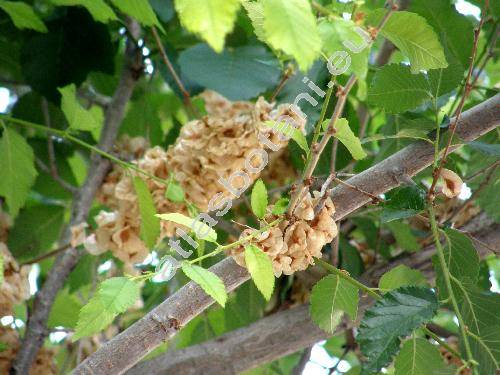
46,255
64,184
284,79
453,126
170,67
368,194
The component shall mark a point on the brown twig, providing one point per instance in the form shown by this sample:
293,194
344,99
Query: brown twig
318,148
170,67
65,185
46,255
467,89
284,79
374,198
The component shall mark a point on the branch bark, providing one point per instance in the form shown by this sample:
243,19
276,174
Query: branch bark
262,341
163,322
36,330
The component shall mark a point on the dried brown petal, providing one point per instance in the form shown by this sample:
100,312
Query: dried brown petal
452,183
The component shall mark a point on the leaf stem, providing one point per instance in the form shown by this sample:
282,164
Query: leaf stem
441,342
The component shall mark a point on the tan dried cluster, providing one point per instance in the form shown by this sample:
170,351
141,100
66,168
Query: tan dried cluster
292,246
44,361
5,224
206,150
15,287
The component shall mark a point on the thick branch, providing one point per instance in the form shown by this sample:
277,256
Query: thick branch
262,342
163,322
36,330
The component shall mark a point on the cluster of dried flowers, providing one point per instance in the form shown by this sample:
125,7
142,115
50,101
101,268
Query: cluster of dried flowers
14,289
44,361
213,147
292,245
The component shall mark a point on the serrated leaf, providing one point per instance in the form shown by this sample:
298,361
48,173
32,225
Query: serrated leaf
211,235
118,294
258,199
23,16
239,73
414,37
255,12
35,230
442,81
330,298
280,206
290,26
480,314
418,357
290,131
403,202
78,117
140,10
93,318
207,280
18,170
397,314
174,192
260,267
99,10
150,224
401,276
212,20
396,89
345,135
462,260
454,29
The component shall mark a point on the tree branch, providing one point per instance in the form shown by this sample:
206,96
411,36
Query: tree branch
163,322
36,330
262,341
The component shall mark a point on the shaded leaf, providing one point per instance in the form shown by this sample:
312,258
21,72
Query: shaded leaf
397,314
18,170
330,298
100,11
418,357
64,311
403,235
401,276
22,15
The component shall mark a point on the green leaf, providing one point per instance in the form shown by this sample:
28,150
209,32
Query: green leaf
150,224
35,230
396,89
18,171
78,117
255,11
345,135
139,9
212,20
442,81
454,29
290,131
397,314
118,294
403,202
480,314
99,10
174,192
334,32
403,235
260,267
401,276
330,298
280,206
290,26
462,260
418,357
239,73
208,281
414,37
258,199
211,235
22,15
64,311
93,318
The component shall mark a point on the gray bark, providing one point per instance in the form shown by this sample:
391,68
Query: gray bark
285,332
163,322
